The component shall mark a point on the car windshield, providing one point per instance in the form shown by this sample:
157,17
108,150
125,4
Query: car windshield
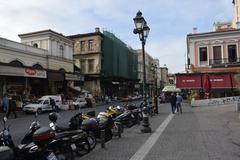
38,101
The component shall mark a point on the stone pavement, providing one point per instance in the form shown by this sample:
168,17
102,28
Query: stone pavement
202,133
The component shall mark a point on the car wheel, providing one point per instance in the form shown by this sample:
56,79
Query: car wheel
39,110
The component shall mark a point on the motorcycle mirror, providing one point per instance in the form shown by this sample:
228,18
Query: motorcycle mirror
4,119
51,125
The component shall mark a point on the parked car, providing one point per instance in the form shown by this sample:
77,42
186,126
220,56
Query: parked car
126,99
80,102
43,104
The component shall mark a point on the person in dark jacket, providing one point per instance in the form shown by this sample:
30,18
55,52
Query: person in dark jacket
173,100
12,107
52,103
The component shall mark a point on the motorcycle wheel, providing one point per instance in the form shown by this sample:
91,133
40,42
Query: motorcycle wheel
92,140
83,147
64,153
140,116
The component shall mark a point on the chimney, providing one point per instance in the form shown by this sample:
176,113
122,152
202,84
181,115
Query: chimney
194,30
97,29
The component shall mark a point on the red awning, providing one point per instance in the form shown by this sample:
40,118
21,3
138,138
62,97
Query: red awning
220,81
234,83
189,81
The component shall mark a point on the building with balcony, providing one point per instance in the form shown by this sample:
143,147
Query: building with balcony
108,64
216,54
88,58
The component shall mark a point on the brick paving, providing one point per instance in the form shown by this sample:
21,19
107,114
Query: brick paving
202,133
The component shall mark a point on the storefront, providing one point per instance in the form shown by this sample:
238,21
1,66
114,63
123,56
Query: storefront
74,81
218,84
21,81
56,82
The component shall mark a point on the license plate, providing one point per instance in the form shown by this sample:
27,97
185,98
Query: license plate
51,157
73,146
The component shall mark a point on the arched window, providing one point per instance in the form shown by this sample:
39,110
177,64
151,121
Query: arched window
61,50
16,63
62,70
35,45
37,66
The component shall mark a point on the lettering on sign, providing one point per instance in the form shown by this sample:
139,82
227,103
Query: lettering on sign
189,80
30,71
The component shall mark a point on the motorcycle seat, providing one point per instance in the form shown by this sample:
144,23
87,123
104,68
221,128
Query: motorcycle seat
21,146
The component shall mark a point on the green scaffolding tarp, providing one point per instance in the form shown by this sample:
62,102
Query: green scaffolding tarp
119,60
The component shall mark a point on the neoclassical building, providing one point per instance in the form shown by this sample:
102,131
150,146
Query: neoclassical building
41,64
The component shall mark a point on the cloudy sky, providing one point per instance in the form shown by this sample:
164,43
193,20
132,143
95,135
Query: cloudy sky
169,20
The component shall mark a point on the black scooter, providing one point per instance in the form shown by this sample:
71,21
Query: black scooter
68,140
23,151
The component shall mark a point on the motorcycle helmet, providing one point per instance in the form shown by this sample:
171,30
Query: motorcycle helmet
53,117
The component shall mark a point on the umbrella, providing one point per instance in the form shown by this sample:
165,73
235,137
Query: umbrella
206,84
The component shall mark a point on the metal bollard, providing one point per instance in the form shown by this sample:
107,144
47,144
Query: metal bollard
102,138
145,124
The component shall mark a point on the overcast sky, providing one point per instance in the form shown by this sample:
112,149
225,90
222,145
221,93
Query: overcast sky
169,20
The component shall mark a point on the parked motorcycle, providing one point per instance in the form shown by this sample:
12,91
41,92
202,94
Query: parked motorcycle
68,141
95,125
6,153
76,123
23,151
128,115
35,125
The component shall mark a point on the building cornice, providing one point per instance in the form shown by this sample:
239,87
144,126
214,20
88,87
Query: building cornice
47,31
219,33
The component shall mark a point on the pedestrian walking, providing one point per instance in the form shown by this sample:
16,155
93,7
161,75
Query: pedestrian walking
178,103
53,104
106,99
12,107
5,103
173,100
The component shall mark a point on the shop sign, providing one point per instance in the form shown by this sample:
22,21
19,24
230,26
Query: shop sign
137,86
29,72
74,77
188,81
22,72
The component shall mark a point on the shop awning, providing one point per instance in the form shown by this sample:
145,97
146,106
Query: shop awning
22,72
55,76
171,88
234,83
196,81
77,89
220,81
189,81
74,77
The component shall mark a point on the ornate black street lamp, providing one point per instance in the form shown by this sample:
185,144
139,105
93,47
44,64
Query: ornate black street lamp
143,30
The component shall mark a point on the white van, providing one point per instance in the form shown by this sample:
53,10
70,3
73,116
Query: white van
43,104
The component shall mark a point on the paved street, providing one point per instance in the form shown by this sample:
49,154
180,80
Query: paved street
202,133
19,126
210,133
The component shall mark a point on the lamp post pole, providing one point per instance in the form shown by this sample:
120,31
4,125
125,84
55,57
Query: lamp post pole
144,72
142,30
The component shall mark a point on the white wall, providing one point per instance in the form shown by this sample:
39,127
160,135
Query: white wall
10,51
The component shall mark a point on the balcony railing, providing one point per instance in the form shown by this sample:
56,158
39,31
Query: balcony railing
224,61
